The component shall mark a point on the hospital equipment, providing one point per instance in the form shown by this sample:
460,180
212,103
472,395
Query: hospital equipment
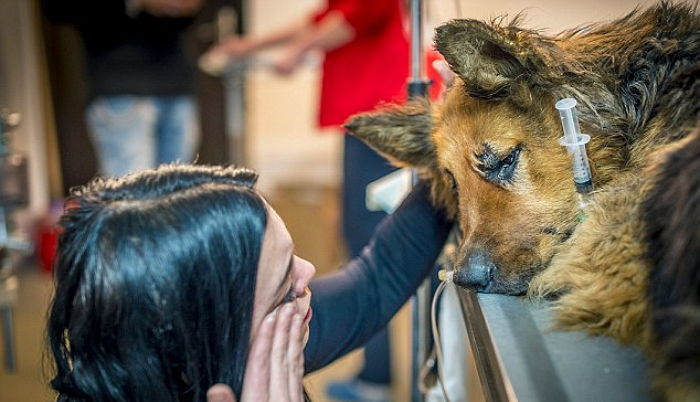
14,193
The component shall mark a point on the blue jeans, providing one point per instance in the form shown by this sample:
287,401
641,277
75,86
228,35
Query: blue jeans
132,133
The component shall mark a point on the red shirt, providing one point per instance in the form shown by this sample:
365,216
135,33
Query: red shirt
369,70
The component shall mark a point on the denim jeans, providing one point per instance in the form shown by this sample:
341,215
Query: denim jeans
132,133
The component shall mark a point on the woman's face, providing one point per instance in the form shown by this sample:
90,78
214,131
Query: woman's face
282,276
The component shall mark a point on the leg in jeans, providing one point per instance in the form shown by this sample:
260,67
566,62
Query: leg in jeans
361,166
121,128
177,129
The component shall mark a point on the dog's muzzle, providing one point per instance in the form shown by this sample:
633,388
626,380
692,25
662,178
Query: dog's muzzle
476,273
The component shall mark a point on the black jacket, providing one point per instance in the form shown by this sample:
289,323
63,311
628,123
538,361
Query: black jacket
351,305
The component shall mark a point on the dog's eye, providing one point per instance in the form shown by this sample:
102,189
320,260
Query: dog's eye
488,160
498,170
507,168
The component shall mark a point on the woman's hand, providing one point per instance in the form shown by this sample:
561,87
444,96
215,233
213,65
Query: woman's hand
275,367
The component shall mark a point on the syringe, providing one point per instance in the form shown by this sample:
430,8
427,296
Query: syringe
575,143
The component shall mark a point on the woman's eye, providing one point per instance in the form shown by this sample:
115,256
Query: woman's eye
289,297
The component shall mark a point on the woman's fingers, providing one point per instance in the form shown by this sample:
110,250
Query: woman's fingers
275,367
295,358
256,381
278,356
220,393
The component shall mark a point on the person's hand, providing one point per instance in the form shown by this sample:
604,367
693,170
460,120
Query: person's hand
289,61
169,8
215,60
446,74
234,48
275,367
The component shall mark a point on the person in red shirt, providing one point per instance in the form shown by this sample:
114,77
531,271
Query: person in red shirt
370,69
365,64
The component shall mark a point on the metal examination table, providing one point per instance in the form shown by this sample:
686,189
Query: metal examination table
520,358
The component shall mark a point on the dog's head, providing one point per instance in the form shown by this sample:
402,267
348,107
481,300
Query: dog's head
498,170
491,148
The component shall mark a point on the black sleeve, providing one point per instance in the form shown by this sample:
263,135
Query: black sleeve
353,304
80,12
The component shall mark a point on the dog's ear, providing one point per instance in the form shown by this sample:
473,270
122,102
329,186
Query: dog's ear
400,133
493,58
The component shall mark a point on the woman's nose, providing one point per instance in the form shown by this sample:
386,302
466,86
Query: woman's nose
305,271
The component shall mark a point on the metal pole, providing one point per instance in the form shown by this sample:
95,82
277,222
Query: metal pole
416,40
235,116
418,87
13,194
421,337
8,337
417,84
8,296
234,89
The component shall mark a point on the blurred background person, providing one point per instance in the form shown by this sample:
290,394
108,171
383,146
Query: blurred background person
141,110
366,63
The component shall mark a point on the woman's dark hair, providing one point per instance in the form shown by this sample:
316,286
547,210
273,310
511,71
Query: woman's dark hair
154,285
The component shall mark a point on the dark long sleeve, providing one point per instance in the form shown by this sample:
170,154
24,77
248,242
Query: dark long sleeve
352,305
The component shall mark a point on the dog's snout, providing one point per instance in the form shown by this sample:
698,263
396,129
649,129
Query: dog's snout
476,271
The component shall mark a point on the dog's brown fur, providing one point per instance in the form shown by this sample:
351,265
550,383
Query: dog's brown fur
671,215
491,151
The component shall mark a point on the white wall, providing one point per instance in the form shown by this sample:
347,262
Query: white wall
285,143
550,15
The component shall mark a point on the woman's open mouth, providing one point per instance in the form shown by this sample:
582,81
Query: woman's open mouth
309,313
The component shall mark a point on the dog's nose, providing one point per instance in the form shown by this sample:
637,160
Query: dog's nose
476,272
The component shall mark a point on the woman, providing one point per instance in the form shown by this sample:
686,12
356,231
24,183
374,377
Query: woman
171,280
365,63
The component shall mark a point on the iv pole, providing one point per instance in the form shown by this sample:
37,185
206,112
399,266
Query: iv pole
418,87
417,83
234,88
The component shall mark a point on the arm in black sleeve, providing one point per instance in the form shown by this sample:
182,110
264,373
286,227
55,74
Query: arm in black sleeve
352,305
